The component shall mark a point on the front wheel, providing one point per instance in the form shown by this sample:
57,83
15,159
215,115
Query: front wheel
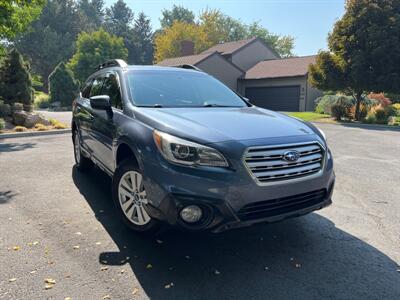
82,163
130,198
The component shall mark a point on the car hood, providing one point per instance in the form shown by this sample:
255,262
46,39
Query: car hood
218,124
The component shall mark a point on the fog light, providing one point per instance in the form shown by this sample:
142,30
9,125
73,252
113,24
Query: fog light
191,214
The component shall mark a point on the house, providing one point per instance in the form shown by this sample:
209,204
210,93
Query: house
256,71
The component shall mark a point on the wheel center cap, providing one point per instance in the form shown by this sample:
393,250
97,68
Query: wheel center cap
136,197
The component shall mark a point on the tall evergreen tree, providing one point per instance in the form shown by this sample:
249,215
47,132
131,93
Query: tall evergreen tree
15,79
119,22
62,85
143,41
51,38
92,13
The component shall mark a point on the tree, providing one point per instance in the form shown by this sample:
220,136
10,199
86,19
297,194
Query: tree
62,85
15,15
15,79
119,21
51,38
283,45
222,28
142,41
177,13
168,43
92,13
93,49
363,54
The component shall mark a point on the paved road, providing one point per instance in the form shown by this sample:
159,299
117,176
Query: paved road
350,250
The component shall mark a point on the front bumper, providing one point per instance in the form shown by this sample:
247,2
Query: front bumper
224,194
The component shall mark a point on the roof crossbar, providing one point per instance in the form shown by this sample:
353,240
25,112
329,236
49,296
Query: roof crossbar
112,63
187,66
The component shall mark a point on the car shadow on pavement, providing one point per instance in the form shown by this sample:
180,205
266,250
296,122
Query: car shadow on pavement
11,147
302,258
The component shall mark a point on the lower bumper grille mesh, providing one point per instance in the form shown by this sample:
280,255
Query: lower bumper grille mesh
280,206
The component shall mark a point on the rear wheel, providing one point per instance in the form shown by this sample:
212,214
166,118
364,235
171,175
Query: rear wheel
130,198
81,162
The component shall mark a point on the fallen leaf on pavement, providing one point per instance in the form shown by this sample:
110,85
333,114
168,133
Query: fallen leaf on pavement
98,243
48,286
216,272
50,280
16,248
103,268
122,271
32,272
107,297
78,233
135,290
12,279
76,247
149,266
67,298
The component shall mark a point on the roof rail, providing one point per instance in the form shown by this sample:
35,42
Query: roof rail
187,66
112,63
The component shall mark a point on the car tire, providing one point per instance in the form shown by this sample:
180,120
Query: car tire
82,163
130,198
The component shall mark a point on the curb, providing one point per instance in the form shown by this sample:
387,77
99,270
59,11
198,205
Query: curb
33,133
361,125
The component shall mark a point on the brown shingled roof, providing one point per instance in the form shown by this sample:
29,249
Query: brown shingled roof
185,60
229,47
275,68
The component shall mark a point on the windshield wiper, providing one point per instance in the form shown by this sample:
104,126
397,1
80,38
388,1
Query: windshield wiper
215,105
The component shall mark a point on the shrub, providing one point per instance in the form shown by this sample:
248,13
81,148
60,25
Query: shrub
42,100
57,124
20,128
5,110
338,111
396,106
2,124
390,110
325,103
380,116
41,127
15,79
380,99
62,85
370,119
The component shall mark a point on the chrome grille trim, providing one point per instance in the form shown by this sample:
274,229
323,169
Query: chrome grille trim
265,164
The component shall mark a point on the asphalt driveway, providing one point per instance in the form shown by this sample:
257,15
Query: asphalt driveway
57,223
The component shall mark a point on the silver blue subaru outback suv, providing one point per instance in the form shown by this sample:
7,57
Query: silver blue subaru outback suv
185,150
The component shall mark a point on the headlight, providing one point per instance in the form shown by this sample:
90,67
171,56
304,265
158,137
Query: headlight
184,152
322,133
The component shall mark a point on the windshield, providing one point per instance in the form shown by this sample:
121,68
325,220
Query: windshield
180,89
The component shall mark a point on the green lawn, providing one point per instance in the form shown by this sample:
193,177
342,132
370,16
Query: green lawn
308,115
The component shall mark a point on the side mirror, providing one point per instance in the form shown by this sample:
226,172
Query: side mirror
100,102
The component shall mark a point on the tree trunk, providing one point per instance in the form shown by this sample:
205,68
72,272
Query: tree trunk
358,97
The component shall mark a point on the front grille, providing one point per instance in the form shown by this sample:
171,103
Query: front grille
267,164
270,208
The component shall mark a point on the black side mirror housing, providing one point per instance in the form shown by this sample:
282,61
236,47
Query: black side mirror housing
100,102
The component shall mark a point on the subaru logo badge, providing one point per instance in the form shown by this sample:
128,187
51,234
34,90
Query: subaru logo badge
291,156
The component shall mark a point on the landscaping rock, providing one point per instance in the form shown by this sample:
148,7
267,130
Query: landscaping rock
31,120
19,118
392,120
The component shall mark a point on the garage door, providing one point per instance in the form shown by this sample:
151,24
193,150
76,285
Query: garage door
275,98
